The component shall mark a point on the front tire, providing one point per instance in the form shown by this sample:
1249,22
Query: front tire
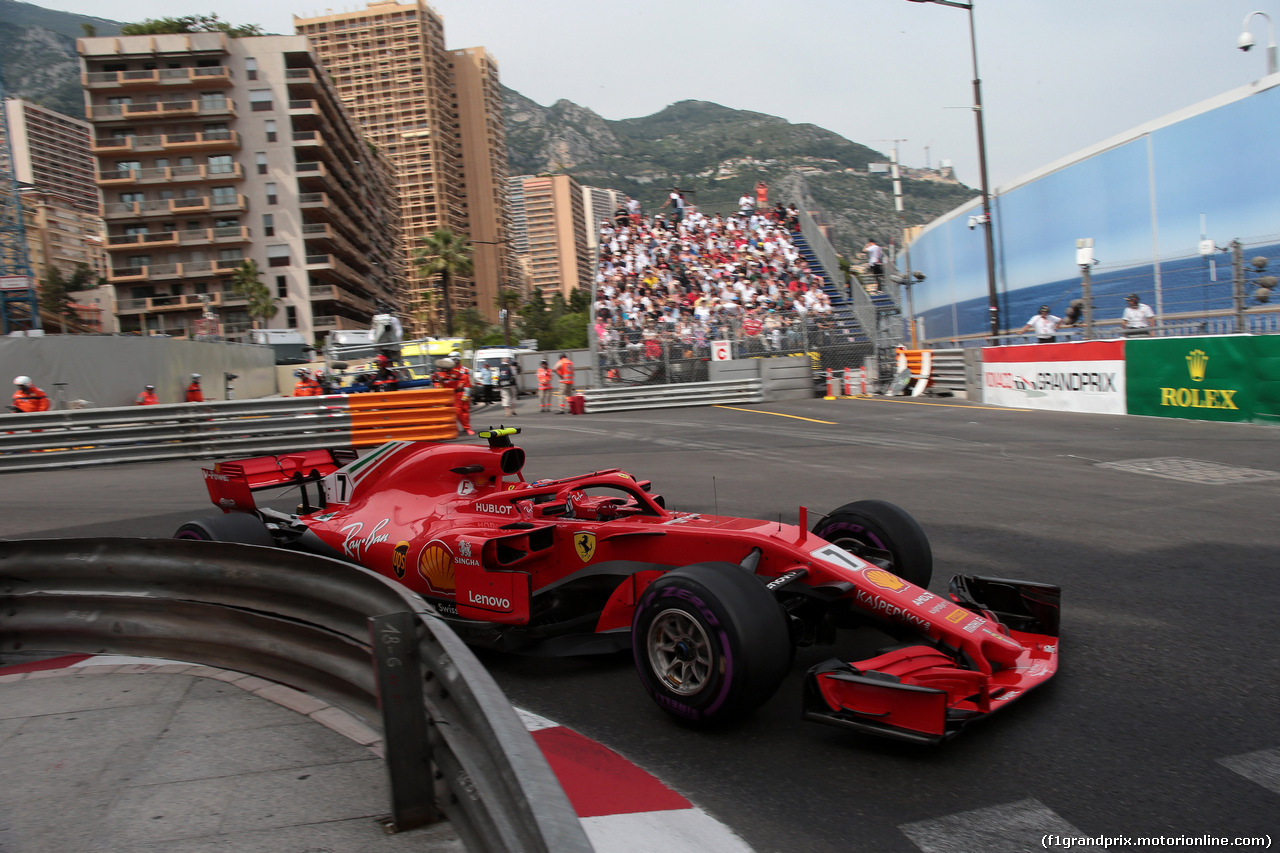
711,643
229,527
881,533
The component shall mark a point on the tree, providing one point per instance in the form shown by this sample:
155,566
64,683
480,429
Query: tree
446,255
189,24
508,302
474,326
246,281
55,298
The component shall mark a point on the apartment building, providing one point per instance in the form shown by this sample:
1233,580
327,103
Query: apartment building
437,115
598,205
51,153
484,171
554,228
212,151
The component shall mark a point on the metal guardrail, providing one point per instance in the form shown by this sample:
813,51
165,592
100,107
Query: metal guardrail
75,438
79,437
319,625
670,396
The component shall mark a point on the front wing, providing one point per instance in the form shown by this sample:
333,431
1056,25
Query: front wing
926,693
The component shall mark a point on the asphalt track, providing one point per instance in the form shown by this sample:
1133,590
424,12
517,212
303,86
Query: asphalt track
1162,721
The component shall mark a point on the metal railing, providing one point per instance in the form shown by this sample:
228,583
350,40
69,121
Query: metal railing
453,744
78,437
620,399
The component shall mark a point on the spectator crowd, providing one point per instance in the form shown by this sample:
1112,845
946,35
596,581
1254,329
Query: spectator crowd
677,282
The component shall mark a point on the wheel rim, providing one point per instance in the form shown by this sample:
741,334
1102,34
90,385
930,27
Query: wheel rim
679,652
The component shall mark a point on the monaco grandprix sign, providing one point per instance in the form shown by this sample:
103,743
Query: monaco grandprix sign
1081,376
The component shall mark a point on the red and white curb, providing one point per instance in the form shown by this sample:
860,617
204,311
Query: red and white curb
623,808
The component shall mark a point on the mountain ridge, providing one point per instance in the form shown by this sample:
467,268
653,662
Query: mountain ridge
712,152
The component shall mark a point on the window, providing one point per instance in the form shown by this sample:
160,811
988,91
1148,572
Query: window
291,316
212,101
270,127
134,230
261,159
270,188
282,288
130,198
251,67
277,256
137,262
225,255
126,166
221,164
224,195
260,99
268,224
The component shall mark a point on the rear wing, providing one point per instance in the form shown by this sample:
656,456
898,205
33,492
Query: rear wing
231,484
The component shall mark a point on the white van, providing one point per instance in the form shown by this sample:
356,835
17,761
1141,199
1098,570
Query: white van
490,358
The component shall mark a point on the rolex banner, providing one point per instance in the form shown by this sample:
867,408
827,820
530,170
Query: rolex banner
1222,378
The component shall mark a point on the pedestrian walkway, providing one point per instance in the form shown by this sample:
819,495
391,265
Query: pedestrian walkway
110,755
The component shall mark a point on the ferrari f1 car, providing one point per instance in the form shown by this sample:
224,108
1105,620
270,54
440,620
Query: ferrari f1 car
712,607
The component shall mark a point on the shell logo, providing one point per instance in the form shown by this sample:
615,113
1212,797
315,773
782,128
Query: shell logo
435,565
885,580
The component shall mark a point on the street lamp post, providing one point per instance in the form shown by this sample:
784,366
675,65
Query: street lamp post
993,304
1246,39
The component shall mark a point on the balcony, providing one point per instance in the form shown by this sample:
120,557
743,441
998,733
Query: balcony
327,266
167,207
227,235
137,241
215,76
213,140
333,293
168,272
171,174
144,111
179,302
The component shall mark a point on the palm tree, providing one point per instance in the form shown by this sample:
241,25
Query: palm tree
445,254
508,300
246,281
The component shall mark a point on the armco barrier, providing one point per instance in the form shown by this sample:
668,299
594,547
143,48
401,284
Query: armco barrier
453,743
670,396
81,437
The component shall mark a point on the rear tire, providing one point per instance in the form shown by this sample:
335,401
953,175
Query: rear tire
229,527
881,533
711,643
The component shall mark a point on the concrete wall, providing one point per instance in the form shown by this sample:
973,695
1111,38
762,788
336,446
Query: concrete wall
111,370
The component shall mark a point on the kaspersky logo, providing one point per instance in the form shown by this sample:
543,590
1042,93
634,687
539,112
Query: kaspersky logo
1198,398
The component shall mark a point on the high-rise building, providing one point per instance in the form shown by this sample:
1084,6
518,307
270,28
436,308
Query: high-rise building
51,153
213,151
554,224
599,204
437,115
61,206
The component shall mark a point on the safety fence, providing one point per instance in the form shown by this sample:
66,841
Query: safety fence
666,358
454,746
80,437
618,399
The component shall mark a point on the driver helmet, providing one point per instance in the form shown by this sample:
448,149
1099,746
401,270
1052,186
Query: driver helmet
21,381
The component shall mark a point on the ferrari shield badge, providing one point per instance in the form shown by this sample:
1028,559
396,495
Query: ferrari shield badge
585,545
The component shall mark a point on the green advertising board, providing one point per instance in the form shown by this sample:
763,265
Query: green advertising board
1221,378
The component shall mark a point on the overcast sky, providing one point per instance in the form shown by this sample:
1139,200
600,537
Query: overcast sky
1057,75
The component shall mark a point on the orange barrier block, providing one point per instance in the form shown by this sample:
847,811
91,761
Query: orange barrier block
415,415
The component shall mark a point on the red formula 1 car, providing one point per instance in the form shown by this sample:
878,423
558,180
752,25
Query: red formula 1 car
713,607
